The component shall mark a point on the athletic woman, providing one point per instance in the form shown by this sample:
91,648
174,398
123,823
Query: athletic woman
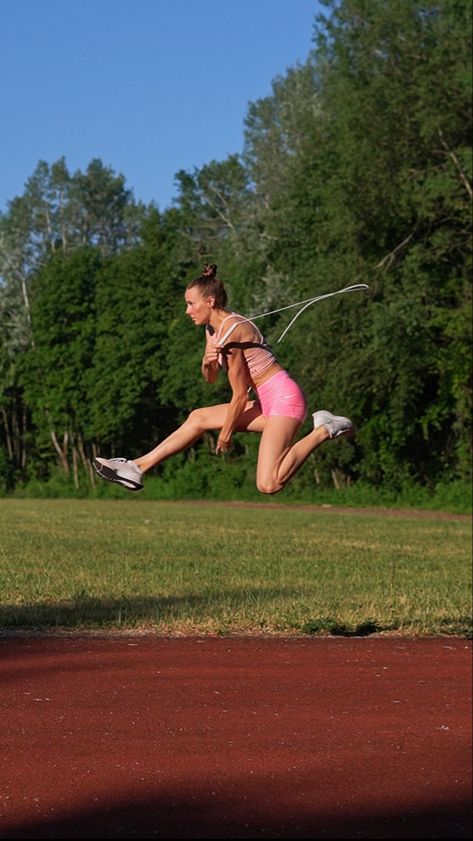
235,344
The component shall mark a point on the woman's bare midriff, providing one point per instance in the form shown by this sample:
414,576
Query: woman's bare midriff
273,369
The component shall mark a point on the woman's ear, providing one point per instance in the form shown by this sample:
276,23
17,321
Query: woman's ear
211,302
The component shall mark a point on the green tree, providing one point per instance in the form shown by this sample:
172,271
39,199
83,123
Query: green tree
217,221
379,190
59,213
135,303
55,369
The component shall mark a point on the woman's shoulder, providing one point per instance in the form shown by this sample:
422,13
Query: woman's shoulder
238,327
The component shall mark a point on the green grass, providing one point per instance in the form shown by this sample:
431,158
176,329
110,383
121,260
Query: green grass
235,480
182,568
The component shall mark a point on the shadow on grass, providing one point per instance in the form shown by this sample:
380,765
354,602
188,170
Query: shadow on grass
84,612
337,629
88,611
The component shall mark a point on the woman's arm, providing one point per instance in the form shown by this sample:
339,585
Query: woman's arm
238,379
210,365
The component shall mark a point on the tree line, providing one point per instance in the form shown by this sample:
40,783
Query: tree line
355,168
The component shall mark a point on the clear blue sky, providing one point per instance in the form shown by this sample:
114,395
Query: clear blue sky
148,86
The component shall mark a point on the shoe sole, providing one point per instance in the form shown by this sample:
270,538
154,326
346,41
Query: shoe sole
111,476
344,432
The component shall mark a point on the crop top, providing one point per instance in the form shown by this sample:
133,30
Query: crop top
258,355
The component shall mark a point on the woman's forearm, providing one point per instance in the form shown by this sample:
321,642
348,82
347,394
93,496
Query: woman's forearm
234,411
209,372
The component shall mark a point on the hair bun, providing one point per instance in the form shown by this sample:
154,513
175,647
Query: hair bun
209,270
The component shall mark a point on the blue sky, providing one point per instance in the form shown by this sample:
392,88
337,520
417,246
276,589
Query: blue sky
148,86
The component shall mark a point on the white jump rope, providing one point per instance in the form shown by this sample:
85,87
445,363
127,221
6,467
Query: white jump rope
357,287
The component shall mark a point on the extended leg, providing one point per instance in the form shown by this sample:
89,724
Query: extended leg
129,473
198,422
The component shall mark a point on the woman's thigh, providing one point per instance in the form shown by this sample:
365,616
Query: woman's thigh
276,441
213,417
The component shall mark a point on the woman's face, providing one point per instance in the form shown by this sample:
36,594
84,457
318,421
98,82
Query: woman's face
198,308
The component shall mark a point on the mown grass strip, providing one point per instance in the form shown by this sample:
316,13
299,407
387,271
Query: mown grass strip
178,568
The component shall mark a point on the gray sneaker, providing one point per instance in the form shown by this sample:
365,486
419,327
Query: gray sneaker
336,424
120,470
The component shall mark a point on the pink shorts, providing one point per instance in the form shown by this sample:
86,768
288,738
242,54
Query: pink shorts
280,396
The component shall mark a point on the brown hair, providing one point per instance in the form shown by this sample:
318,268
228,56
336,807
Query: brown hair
210,286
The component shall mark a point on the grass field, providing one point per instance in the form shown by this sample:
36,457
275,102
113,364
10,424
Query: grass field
181,568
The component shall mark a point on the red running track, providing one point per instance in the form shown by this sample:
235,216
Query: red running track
150,737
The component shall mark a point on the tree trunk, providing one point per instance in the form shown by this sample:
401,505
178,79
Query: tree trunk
7,435
23,447
75,472
85,460
62,452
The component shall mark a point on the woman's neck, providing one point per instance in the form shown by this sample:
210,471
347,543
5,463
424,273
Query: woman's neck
216,318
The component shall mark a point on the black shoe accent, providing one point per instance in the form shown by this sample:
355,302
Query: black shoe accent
110,475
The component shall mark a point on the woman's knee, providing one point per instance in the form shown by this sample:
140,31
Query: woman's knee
201,420
196,419
267,485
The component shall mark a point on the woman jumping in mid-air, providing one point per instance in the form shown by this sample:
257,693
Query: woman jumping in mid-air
235,343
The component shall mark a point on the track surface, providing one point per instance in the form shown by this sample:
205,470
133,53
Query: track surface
149,737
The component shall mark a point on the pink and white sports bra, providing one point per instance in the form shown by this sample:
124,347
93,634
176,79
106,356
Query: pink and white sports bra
258,355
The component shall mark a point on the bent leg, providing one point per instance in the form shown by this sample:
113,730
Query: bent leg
198,422
278,458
